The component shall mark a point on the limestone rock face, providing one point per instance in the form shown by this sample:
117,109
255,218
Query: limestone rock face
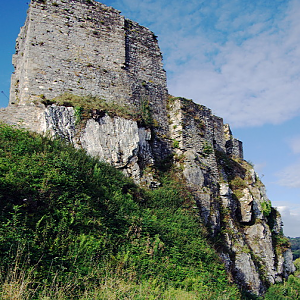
288,266
246,273
112,139
117,141
246,206
259,239
198,133
59,121
214,168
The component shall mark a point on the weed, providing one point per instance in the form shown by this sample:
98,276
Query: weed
78,110
207,149
88,103
175,144
266,208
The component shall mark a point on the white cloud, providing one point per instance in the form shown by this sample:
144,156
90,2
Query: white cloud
257,81
290,176
291,220
294,143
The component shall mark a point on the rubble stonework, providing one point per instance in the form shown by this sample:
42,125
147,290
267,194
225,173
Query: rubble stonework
86,48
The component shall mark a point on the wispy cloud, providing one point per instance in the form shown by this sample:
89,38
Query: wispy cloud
252,81
295,144
290,176
259,167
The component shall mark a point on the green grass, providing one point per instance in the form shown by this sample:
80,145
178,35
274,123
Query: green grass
83,106
74,228
289,289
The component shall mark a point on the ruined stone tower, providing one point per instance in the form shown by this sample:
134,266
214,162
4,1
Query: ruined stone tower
84,47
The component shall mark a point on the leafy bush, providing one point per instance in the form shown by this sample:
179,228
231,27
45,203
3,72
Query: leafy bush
290,289
266,208
280,243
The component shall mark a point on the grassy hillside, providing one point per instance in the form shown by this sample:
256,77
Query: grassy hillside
75,228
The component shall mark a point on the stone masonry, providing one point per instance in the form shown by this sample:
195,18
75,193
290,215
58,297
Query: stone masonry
84,47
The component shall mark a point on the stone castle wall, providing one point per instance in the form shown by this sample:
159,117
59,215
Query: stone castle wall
84,47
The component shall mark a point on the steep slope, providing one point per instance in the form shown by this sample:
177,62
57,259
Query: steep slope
71,226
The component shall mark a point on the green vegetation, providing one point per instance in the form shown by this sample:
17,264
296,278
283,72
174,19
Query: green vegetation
84,104
295,245
281,243
289,289
74,228
200,125
78,110
207,149
237,185
145,114
266,208
175,144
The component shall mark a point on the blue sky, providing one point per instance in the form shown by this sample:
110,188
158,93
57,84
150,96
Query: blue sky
240,58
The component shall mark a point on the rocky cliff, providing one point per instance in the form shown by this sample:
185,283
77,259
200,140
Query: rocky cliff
86,48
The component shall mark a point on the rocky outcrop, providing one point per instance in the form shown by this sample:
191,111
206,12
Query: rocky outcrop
251,226
229,198
196,133
119,142
252,242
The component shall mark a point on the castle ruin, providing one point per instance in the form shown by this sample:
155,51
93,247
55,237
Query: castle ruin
84,48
